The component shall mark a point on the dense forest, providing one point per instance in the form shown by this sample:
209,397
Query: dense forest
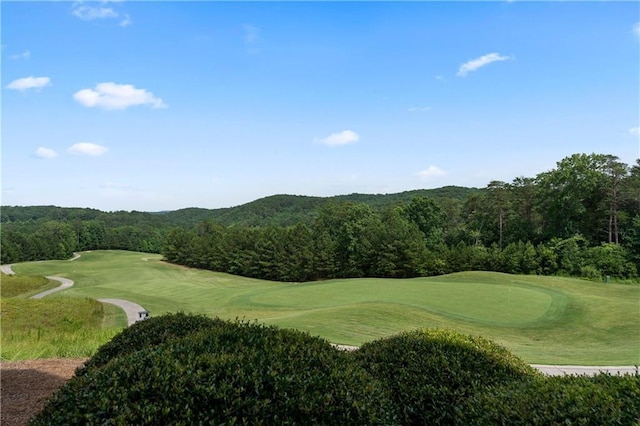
581,218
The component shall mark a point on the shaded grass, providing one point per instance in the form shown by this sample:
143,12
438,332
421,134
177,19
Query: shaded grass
542,319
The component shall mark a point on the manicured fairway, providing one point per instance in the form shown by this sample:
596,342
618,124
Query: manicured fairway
542,319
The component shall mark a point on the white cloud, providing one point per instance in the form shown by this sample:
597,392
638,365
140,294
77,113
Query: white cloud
634,131
87,148
480,62
45,153
24,55
431,172
636,29
89,13
418,109
341,138
117,96
29,83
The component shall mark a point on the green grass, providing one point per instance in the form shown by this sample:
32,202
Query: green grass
542,319
24,286
56,328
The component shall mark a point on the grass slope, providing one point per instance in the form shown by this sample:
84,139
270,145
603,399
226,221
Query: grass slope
58,328
24,286
542,319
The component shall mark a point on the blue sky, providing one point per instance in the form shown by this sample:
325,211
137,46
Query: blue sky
164,105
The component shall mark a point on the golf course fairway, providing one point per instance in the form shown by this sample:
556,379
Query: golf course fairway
545,320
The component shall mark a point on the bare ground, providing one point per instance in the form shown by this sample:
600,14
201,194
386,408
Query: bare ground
26,385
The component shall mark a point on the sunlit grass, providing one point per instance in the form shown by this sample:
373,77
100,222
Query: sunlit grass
55,328
542,319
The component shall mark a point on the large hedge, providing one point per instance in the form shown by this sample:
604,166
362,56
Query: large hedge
429,373
181,369
237,373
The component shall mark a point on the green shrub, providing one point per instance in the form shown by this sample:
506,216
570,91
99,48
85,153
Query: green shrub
590,272
236,373
563,400
429,373
149,333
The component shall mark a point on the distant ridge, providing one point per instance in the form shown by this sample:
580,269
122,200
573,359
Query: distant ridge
279,209
285,210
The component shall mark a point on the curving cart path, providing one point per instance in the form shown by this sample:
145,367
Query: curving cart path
132,309
64,283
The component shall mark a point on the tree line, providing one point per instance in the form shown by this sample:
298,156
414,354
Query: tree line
581,218
352,240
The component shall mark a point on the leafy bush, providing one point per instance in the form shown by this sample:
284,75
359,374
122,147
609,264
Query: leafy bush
232,373
598,400
189,369
429,373
149,333
590,272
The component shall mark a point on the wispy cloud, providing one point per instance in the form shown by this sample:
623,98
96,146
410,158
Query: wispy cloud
634,131
24,55
126,21
341,138
87,149
42,152
117,96
118,188
27,83
418,109
480,62
90,13
251,33
636,29
431,172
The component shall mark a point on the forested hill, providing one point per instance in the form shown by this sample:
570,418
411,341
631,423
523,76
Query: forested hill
287,210
280,210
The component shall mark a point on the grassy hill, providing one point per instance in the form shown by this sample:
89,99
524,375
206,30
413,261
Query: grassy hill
542,319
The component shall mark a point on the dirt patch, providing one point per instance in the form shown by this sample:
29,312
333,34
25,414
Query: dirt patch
26,385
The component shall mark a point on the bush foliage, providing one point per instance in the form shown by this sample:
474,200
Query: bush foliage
600,400
149,333
189,369
230,373
429,373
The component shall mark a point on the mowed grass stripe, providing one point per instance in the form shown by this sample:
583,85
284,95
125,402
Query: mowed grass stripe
543,319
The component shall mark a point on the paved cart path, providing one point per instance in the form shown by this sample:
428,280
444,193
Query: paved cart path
6,269
130,308
64,284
